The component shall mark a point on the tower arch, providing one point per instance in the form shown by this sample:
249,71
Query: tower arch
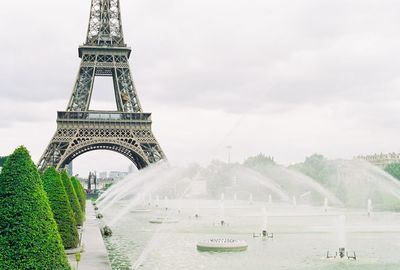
129,153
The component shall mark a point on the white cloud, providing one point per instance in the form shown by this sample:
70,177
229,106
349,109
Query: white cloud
284,77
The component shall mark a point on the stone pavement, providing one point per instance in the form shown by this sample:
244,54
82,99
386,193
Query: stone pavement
94,255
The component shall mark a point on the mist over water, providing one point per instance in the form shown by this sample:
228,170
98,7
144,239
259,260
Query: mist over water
349,184
191,201
355,182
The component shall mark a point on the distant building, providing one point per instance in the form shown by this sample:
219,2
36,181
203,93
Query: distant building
381,160
102,175
116,175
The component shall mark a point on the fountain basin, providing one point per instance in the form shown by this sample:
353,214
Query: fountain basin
161,220
222,245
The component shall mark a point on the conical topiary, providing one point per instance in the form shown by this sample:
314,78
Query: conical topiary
28,232
73,199
80,192
61,207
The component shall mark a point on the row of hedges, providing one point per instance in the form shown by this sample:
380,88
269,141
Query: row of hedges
80,192
61,208
29,237
39,215
73,198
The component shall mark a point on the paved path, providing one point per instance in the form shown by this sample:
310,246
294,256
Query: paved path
94,255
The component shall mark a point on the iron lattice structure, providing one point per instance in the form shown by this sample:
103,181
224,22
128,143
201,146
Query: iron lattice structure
80,130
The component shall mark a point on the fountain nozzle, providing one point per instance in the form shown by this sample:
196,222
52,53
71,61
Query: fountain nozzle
342,253
106,231
264,234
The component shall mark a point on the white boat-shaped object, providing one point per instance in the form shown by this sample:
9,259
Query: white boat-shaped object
162,220
222,245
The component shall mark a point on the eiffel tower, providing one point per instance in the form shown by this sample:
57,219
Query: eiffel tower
79,130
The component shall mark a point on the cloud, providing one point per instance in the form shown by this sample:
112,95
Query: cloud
283,77
13,112
234,56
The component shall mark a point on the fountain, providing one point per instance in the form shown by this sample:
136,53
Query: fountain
341,232
166,203
264,229
294,182
156,246
341,236
196,212
369,207
157,201
222,245
326,205
222,221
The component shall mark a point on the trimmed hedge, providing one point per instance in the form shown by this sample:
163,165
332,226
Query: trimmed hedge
61,208
29,238
80,193
73,199
2,161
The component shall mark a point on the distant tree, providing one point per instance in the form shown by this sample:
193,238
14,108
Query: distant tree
394,170
29,238
258,161
61,207
315,166
217,175
80,192
73,199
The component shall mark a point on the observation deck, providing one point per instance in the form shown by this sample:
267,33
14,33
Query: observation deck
103,116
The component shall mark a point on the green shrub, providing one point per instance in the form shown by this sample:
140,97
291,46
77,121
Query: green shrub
61,208
80,192
2,161
73,199
29,238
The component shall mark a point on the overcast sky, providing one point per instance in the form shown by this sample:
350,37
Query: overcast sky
286,78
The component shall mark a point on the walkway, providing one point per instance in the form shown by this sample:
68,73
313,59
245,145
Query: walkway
94,255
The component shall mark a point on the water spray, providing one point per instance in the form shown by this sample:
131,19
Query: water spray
294,201
326,205
341,240
369,207
264,229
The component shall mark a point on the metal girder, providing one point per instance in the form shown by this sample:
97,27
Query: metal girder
126,131
105,26
99,63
